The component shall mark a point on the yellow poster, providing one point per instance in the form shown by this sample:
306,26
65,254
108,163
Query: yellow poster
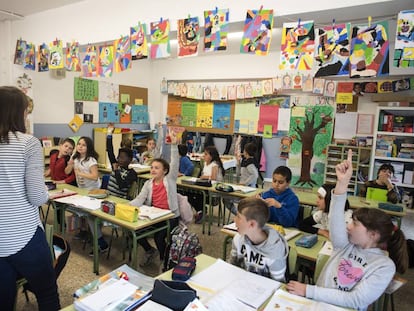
205,115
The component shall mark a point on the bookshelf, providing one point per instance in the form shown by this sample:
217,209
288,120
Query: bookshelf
361,157
394,143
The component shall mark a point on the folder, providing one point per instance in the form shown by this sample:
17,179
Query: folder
377,194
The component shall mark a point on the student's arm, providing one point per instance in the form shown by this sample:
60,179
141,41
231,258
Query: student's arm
393,194
287,213
125,183
235,259
93,173
144,195
70,179
47,173
160,142
110,149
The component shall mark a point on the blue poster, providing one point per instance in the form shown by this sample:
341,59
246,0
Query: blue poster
221,116
108,113
139,114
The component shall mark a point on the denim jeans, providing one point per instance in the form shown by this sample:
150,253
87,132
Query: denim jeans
33,262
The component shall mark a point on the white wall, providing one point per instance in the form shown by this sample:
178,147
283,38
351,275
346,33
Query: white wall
94,21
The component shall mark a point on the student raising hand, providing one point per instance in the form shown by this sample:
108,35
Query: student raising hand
344,174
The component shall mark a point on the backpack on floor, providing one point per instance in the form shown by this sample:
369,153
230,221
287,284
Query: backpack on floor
183,244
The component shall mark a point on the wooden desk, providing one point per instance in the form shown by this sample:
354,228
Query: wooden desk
138,229
310,197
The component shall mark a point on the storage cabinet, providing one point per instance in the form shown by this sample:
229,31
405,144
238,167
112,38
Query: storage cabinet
394,143
361,157
138,139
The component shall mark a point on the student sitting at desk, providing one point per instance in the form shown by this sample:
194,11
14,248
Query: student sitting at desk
160,191
366,254
153,148
281,200
58,161
256,247
186,166
383,181
318,221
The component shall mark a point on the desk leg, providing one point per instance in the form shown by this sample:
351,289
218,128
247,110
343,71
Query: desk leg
204,209
210,212
95,246
227,240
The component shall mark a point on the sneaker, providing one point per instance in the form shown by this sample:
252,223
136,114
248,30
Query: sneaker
199,217
149,257
100,249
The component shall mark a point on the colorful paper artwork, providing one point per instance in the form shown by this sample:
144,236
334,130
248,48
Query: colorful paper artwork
140,114
188,36
160,39
332,52
287,83
109,92
43,58
173,113
297,47
105,63
385,86
269,115
108,112
221,116
404,40
19,53
318,86
89,61
257,32
369,51
56,55
139,43
29,60
344,93
122,54
189,113
330,88
204,115
216,27
72,57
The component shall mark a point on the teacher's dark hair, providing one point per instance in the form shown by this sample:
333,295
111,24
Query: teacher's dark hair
13,104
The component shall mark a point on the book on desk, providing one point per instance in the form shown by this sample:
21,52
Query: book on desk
61,194
151,212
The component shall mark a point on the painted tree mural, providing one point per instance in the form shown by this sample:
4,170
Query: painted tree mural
311,132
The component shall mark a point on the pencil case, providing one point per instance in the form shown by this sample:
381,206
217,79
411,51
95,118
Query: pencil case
390,207
126,212
184,268
307,241
175,295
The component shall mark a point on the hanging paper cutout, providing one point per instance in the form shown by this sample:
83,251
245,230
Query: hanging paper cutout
105,61
139,44
297,47
123,54
43,58
369,51
188,36
89,61
332,53
160,39
404,40
56,55
257,32
29,61
19,53
216,27
72,57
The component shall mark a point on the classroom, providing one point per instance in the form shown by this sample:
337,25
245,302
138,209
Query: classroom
224,94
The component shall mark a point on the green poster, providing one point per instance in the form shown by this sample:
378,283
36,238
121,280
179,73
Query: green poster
85,89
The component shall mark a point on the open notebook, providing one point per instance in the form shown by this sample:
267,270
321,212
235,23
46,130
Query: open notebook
150,212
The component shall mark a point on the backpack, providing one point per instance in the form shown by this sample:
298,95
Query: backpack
410,249
183,244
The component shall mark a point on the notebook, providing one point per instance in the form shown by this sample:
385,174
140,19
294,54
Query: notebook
377,194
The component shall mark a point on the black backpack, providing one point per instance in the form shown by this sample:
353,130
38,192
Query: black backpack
410,249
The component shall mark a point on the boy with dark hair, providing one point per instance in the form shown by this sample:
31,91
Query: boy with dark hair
383,181
186,166
282,201
257,247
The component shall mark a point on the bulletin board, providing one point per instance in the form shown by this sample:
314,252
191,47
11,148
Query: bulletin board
180,111
135,93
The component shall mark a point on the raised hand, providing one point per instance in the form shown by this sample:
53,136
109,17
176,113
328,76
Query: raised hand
344,174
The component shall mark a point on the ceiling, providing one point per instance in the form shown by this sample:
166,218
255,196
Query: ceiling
17,9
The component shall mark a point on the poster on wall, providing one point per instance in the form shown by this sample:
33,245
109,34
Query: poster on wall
139,114
108,113
189,114
221,116
332,50
85,89
311,132
257,32
369,58
216,27
188,36
297,47
404,40
204,115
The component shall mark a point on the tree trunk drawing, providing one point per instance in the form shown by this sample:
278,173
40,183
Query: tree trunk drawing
306,135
